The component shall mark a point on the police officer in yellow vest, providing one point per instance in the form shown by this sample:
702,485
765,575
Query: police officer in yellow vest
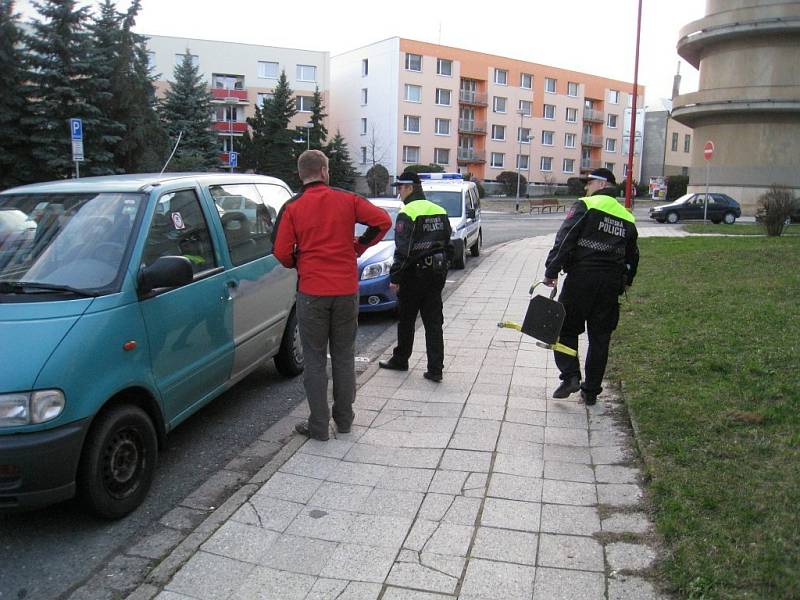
596,247
422,252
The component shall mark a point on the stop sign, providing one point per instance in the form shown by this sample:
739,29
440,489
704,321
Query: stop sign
708,150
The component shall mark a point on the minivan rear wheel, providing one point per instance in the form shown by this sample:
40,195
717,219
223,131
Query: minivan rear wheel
289,360
118,461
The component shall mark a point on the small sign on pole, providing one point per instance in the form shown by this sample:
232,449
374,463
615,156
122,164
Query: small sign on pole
233,159
708,150
76,135
708,153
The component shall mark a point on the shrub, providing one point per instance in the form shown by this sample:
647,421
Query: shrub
575,186
775,207
431,168
481,190
377,179
509,180
676,186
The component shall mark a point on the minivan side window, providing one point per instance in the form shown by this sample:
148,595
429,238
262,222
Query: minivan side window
476,199
180,229
246,221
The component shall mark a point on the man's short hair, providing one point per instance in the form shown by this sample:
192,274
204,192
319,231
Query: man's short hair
310,163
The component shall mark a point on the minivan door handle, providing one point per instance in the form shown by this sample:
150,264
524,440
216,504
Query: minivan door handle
230,287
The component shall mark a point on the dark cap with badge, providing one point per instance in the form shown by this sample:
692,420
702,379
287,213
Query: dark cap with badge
407,178
600,175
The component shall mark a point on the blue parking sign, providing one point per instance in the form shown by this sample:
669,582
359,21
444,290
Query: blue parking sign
76,129
233,159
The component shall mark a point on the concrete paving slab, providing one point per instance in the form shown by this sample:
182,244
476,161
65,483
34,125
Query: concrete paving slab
264,583
514,487
561,584
504,545
466,460
360,563
298,554
511,514
207,576
632,588
497,580
570,552
449,539
629,557
379,530
322,524
567,471
627,523
572,520
619,494
569,492
240,542
448,482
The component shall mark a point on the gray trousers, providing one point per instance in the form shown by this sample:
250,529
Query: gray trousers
328,321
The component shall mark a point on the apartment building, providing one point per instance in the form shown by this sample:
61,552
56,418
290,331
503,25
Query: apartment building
241,76
399,102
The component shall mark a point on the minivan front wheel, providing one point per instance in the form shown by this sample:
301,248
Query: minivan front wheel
118,461
475,249
289,360
460,254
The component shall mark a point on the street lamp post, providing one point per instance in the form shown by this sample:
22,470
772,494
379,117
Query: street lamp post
521,114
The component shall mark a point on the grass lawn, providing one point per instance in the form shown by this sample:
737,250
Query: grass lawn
736,229
708,350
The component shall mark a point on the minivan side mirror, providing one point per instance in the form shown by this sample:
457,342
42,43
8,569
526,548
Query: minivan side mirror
165,272
470,213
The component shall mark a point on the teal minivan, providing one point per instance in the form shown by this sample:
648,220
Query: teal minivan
126,304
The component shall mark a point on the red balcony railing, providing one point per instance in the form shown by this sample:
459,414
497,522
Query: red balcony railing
222,94
229,127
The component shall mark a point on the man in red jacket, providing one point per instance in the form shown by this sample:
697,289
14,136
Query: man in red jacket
314,233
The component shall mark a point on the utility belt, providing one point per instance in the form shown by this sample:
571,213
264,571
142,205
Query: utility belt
436,263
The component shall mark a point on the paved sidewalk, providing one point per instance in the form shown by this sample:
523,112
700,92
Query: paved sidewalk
481,487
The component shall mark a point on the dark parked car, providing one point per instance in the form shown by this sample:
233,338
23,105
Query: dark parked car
721,208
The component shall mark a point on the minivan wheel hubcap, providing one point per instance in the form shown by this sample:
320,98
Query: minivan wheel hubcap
121,463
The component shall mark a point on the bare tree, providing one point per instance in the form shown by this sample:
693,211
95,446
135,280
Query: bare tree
549,182
376,148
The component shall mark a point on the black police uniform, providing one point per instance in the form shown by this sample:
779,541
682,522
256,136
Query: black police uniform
422,252
596,246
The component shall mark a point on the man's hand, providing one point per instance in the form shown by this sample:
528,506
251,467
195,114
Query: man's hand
395,287
550,282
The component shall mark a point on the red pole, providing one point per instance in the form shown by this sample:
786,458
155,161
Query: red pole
632,138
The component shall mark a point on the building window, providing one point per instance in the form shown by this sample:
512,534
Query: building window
569,140
497,160
569,165
524,135
363,155
572,89
611,145
441,156
613,96
609,166
261,98
364,96
364,67
226,114
674,142
547,138
611,121
267,70
501,77
444,67
499,104
151,60
625,169
526,81
411,154
413,93
546,163
195,59
363,126
442,126
442,97
522,162
687,142
306,73
572,115
499,133
684,171
413,62
549,85
526,106
410,124
549,111
305,103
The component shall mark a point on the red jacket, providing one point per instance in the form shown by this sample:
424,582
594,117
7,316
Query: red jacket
315,233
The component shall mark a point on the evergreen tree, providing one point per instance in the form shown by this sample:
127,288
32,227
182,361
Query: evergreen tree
64,82
187,108
16,165
342,172
255,144
318,132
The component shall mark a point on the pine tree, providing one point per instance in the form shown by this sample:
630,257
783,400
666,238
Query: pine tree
255,144
318,132
342,172
16,164
64,80
187,108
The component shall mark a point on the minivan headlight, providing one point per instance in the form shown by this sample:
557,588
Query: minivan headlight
27,408
377,269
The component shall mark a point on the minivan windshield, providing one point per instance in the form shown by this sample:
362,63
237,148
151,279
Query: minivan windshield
65,243
450,201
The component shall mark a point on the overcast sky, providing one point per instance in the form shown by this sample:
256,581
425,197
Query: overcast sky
593,37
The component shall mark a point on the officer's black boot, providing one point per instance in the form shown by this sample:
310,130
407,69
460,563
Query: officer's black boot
567,387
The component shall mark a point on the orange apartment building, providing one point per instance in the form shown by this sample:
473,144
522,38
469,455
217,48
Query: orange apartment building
400,102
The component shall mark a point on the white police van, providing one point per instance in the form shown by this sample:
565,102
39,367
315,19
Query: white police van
461,201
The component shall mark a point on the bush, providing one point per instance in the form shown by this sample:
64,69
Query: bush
575,186
481,190
676,186
775,208
509,180
431,168
377,179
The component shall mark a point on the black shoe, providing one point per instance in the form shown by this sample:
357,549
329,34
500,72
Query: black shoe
567,387
343,428
392,365
588,399
437,377
302,429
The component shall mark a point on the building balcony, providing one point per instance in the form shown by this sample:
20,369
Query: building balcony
474,98
228,96
466,156
472,126
593,115
229,127
593,141
589,164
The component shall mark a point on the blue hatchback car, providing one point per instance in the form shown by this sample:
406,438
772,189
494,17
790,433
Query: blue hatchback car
374,265
126,304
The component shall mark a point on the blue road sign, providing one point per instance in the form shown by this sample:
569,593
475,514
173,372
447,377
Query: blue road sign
233,159
76,128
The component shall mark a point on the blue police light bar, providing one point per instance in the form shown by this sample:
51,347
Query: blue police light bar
442,176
